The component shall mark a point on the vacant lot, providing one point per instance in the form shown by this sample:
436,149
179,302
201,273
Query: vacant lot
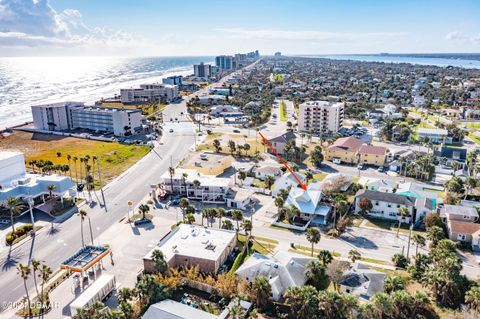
114,157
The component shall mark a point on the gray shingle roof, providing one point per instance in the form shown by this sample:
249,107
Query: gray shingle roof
386,197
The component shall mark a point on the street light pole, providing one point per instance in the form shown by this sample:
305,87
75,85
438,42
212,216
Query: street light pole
30,205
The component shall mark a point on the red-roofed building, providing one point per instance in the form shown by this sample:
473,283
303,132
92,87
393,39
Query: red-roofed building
353,150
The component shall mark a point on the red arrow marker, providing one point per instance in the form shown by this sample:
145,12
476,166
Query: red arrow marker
303,186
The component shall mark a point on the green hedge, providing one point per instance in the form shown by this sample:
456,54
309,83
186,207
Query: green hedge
19,232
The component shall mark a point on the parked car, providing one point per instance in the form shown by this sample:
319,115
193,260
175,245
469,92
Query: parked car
360,166
336,161
236,131
381,169
142,221
171,130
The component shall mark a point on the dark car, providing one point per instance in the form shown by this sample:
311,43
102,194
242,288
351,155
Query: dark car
236,131
142,221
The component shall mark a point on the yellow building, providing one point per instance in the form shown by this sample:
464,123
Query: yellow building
344,150
208,163
352,150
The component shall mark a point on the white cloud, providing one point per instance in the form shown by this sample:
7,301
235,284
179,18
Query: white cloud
310,35
34,23
454,35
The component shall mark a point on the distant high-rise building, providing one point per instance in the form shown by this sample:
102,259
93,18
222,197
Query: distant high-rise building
278,53
320,116
202,70
225,62
173,80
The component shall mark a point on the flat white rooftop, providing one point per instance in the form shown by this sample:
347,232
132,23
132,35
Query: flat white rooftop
9,154
195,241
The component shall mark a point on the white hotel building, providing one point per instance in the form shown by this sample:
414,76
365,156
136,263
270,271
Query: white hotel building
75,115
320,116
150,93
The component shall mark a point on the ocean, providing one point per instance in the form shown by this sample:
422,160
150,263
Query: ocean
424,60
30,81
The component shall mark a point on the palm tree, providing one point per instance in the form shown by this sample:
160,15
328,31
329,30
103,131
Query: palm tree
402,212
204,213
325,257
184,179
35,265
24,272
262,290
45,273
183,205
171,171
82,160
16,208
393,283
75,159
419,241
354,255
247,226
269,181
237,215
212,213
159,259
144,209
220,214
313,236
82,214
50,189
316,274
69,157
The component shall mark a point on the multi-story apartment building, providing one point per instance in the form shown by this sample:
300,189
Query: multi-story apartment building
225,62
74,115
320,117
173,80
149,93
352,150
209,189
202,70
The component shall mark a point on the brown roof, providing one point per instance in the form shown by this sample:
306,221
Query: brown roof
463,227
374,150
350,144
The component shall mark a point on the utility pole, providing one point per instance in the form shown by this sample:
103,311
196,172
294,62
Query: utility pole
409,237
101,184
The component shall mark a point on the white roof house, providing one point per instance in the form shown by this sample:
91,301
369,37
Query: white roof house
309,204
170,309
283,270
286,180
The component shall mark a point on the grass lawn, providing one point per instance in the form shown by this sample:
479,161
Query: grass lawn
308,250
441,194
474,138
319,176
376,261
283,112
255,144
472,125
114,157
260,245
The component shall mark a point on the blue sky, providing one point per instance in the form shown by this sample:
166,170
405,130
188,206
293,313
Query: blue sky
154,27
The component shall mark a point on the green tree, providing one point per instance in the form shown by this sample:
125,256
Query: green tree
435,234
237,215
82,214
232,147
159,260
393,283
269,181
365,205
303,301
184,202
316,156
402,213
227,224
262,291
149,291
15,207
325,257
247,226
400,260
419,241
190,218
472,298
313,236
432,219
316,275
354,255
216,145
24,272
44,273
220,214
144,209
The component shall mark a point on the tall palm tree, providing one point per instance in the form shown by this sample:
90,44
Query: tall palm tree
196,185
354,255
184,179
75,159
316,274
402,212
35,265
325,257
204,213
313,236
82,214
69,158
247,226
183,205
220,214
16,208
45,273
237,215
50,189
171,171
419,241
82,161
24,272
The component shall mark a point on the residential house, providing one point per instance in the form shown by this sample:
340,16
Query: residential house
344,149
283,270
453,154
240,198
362,281
386,205
261,172
374,155
287,180
382,185
309,203
459,213
434,135
279,142
464,231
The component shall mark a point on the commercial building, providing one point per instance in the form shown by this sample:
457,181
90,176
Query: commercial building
208,163
202,70
225,111
16,183
74,115
150,93
283,270
320,117
191,245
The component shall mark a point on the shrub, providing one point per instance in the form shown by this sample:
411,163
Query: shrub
9,239
400,260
